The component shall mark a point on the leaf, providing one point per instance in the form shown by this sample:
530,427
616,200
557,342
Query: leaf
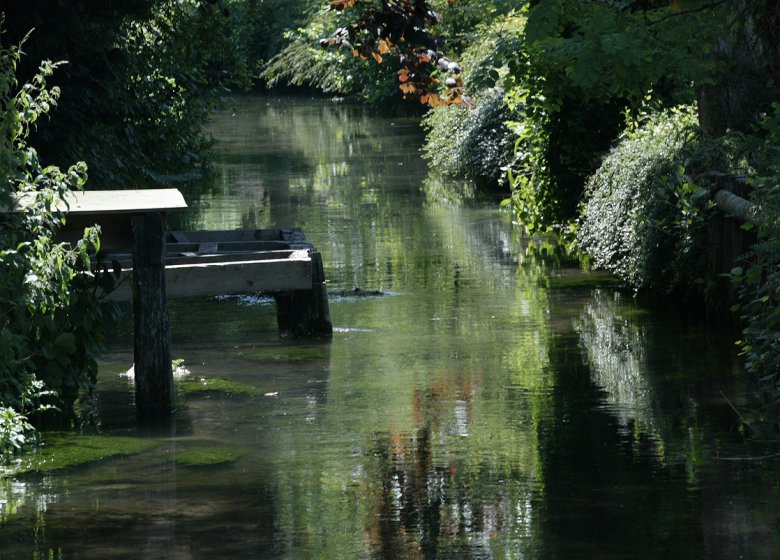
341,4
66,342
377,57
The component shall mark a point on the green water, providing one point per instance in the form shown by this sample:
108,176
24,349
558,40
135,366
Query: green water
478,409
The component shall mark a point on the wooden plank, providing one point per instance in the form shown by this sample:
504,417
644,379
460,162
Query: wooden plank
114,202
232,277
221,258
222,236
126,260
227,247
210,247
179,237
293,236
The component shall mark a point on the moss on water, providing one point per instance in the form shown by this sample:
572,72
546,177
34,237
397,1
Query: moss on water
62,450
209,456
192,385
288,354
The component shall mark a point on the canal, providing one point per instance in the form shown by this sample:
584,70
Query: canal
492,402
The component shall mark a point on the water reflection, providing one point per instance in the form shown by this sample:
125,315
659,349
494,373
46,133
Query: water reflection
615,347
430,503
468,412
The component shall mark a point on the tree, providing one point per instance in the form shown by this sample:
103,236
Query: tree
402,26
141,77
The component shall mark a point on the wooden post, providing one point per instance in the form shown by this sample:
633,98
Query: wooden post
306,312
151,324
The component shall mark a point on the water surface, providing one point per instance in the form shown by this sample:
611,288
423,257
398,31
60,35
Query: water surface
472,411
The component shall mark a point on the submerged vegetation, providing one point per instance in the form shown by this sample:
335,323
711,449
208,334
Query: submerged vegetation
67,450
211,455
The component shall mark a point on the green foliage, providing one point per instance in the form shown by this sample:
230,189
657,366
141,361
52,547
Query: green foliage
472,144
584,63
463,22
643,218
367,32
141,79
562,129
758,281
15,431
260,27
475,143
620,50
304,63
52,325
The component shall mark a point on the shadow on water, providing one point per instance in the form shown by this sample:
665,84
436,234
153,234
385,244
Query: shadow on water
490,403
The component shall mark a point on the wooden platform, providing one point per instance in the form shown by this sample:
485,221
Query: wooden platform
208,263
133,201
157,264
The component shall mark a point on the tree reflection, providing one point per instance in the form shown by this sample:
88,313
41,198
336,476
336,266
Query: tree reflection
615,349
430,503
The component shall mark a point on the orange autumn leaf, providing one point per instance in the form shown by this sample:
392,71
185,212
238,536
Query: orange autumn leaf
377,57
403,75
384,46
408,88
435,101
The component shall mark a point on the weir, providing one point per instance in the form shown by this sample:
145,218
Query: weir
157,265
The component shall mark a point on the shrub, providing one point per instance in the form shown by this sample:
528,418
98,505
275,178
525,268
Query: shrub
475,143
758,280
643,218
52,324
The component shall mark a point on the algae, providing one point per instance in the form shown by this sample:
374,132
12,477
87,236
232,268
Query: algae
61,450
217,385
288,354
209,456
